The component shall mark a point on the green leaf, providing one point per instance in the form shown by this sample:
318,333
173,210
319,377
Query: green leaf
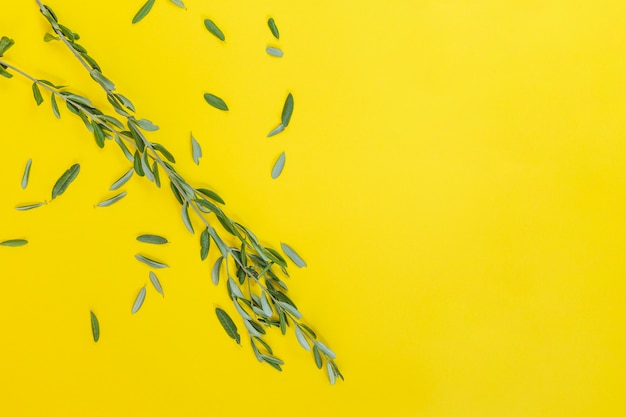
49,37
14,243
156,283
178,3
143,12
139,300
147,125
295,258
287,110
325,349
309,330
278,166
216,102
55,106
65,180
5,44
125,101
164,152
112,200
212,27
123,180
276,257
137,164
331,374
283,321
26,174
95,327
152,239
196,150
157,177
273,28
151,262
37,94
234,288
219,242
98,134
318,357
186,219
176,193
215,273
211,194
277,52
5,73
146,167
276,130
301,339
291,309
205,243
101,79
265,305
29,206
124,149
228,324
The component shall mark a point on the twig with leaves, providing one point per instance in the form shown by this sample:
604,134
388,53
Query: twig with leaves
255,287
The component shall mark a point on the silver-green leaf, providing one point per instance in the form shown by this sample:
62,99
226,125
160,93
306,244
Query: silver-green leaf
212,27
301,339
326,350
196,150
273,51
151,262
186,219
276,130
26,174
293,255
112,200
139,300
27,207
152,239
178,3
55,106
215,273
156,283
278,166
65,180
122,180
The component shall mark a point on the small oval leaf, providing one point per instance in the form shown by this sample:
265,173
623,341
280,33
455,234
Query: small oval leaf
276,130
212,27
204,244
123,180
278,166
215,101
152,239
95,327
301,339
272,51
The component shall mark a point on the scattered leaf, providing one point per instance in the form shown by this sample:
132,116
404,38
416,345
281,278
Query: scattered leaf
178,3
273,28
152,239
296,259
277,52
151,262
155,283
228,324
65,180
287,110
95,327
143,12
26,174
212,27
196,150
139,300
278,166
276,130
112,200
14,243
29,206
215,101
123,180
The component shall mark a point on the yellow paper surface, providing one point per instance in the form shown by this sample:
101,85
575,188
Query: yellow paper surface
454,179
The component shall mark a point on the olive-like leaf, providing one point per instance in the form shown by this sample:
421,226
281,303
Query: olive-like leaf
124,148
186,219
178,3
27,207
5,44
278,166
215,273
215,101
137,164
291,309
318,357
102,80
95,327
212,27
276,130
122,180
273,51
143,12
65,180
212,195
157,176
26,174
14,243
37,94
139,300
272,25
152,239
164,152
112,200
156,283
287,110
301,339
331,374
228,324
196,150
151,262
147,125
265,305
147,169
325,349
48,37
293,255
98,134
204,244
234,288
55,106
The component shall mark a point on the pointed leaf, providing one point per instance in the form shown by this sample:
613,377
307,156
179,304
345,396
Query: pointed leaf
273,28
196,150
178,3
265,305
287,110
211,194
331,374
112,200
228,324
301,339
139,300
291,309
98,134
212,27
65,180
278,166
123,180
215,274
143,12
164,152
204,244
325,349
26,174
295,258
155,283
14,243
5,44
147,125
151,262
186,219
55,106
276,130
29,206
95,327
216,102
152,239
49,37
37,94
318,357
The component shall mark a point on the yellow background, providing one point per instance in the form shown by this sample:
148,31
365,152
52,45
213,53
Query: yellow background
455,179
